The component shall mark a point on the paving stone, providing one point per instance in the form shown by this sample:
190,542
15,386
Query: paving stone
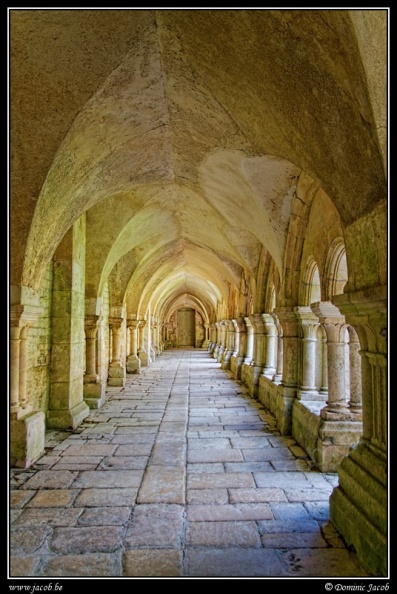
206,467
90,450
266,454
23,566
208,480
163,485
52,516
248,467
50,479
20,498
106,497
169,454
28,539
289,511
227,512
207,496
84,539
281,479
142,442
290,465
104,516
91,565
287,526
322,562
156,525
262,495
222,534
294,540
204,443
152,563
234,562
108,478
13,515
214,455
250,442
124,463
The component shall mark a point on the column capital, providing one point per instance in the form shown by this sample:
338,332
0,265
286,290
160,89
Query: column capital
24,315
115,322
131,323
327,313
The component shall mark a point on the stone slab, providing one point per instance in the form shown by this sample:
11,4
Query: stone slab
84,565
152,563
209,480
86,539
222,534
106,497
261,495
229,512
163,485
234,562
108,478
157,525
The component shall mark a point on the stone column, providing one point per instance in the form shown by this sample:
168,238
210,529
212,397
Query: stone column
142,354
258,353
222,330
287,390
359,505
237,357
335,327
94,389
27,426
66,406
309,324
153,344
324,366
133,361
269,368
206,342
218,341
117,373
278,376
249,351
355,400
228,352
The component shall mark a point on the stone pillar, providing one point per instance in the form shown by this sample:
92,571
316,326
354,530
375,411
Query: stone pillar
287,390
27,426
258,352
66,407
309,324
117,372
278,376
359,505
222,347
206,342
218,341
133,361
237,357
355,400
153,343
142,354
94,389
324,366
228,352
249,351
270,330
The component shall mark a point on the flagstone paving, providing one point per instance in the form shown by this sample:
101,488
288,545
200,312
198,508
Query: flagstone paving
180,473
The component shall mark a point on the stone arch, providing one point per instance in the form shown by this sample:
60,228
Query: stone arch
336,270
310,284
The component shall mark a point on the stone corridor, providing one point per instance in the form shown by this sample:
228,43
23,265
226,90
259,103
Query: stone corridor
180,473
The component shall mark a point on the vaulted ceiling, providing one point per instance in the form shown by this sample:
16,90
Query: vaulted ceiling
181,134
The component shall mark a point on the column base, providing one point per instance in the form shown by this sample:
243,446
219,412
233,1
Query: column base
116,375
133,364
235,366
205,344
310,395
27,439
144,358
94,394
283,408
67,419
358,507
335,438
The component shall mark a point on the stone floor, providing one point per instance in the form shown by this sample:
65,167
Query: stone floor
180,473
